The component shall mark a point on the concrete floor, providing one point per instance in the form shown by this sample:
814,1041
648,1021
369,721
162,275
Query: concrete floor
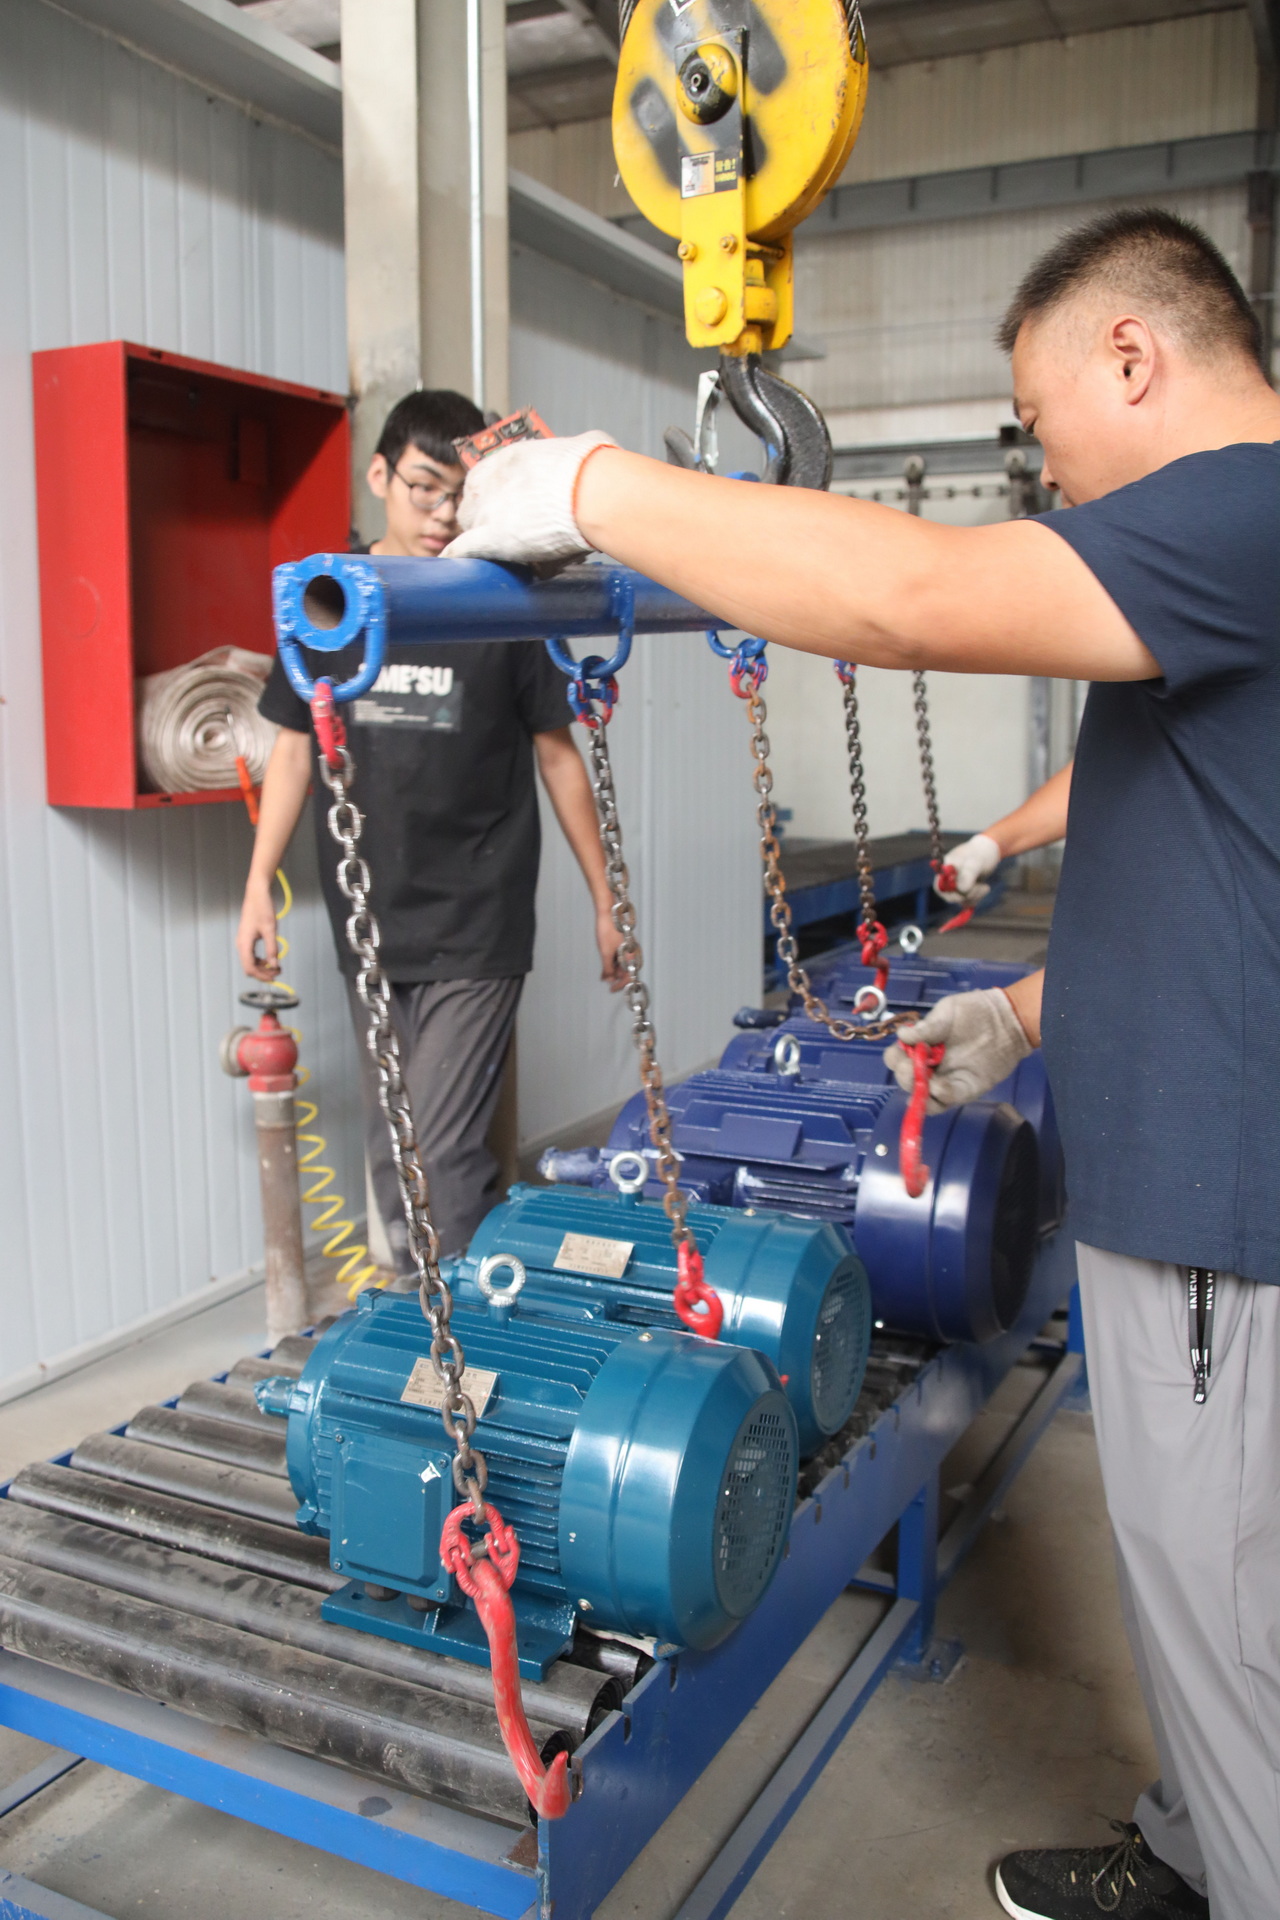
1038,1737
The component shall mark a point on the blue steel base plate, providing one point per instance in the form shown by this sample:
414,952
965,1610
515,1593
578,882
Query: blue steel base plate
453,1631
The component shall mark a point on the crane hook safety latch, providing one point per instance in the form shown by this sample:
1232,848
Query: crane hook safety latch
749,669
486,1581
924,1058
358,590
593,681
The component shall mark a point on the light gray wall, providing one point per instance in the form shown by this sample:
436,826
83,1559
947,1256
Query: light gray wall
586,357
133,205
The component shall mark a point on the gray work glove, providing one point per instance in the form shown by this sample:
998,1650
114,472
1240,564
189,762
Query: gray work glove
518,503
971,861
984,1041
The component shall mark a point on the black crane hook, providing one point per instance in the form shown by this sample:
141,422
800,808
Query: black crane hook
794,434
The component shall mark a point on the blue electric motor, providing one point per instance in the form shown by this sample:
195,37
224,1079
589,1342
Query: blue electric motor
649,1475
802,1050
791,1289
953,1264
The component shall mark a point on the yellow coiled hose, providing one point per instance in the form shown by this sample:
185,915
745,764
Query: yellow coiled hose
320,1193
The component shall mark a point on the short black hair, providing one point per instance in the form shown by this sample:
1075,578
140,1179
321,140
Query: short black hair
430,419
1156,259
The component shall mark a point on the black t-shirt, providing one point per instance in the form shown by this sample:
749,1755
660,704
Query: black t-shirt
1162,999
443,747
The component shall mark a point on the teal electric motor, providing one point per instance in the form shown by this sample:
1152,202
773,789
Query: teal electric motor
792,1289
650,1475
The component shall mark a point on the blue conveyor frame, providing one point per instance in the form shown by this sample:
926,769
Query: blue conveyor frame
640,1763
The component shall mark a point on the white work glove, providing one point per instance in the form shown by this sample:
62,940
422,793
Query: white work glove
984,1041
518,503
972,860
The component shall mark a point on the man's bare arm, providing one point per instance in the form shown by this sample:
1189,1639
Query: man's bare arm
1026,995
1039,821
284,795
857,581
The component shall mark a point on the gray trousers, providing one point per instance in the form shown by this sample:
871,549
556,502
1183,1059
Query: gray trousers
1194,1498
453,1038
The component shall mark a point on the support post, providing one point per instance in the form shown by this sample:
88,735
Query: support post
424,87
922,1657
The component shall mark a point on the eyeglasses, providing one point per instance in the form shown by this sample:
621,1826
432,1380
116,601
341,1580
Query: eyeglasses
427,498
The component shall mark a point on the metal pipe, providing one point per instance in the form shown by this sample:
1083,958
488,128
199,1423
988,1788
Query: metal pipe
572,1700
275,1124
230,1400
475,182
461,600
258,1495
282,1553
423,1742
234,1446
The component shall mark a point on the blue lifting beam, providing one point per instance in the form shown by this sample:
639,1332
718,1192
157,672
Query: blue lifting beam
333,601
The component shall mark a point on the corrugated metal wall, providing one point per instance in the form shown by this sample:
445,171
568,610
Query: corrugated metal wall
586,357
133,205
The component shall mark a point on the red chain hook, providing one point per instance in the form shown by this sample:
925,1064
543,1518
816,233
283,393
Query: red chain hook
486,1581
874,940
924,1058
331,734
698,1305
947,884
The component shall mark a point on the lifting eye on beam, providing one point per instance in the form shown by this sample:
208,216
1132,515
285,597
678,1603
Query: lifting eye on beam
731,119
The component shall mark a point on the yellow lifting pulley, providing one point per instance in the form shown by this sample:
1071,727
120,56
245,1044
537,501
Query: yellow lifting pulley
731,118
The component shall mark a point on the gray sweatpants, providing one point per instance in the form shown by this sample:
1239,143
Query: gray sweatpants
1194,1498
453,1043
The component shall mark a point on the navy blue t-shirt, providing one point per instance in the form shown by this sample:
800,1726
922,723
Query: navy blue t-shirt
1162,998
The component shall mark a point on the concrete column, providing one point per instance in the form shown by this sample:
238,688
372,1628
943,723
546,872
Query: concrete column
426,208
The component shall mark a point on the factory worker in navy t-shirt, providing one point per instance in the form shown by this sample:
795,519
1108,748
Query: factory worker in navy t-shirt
1137,362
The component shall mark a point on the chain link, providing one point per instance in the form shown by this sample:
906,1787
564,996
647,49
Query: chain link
346,823
775,886
869,918
920,701
675,1201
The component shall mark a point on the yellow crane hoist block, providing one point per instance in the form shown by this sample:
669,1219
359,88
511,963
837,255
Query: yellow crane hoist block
731,118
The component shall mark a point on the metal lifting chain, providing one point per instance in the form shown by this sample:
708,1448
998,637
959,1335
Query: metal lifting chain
775,885
592,694
870,928
675,1201
920,701
346,823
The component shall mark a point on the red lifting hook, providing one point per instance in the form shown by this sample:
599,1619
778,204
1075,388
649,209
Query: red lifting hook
874,940
486,1582
924,1058
947,884
331,734
692,1293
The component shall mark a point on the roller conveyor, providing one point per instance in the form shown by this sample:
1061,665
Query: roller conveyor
165,1561
161,1613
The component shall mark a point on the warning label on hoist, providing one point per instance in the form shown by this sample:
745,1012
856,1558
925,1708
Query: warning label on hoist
425,1388
707,173
588,1253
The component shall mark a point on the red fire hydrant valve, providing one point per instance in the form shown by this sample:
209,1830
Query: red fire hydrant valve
268,1053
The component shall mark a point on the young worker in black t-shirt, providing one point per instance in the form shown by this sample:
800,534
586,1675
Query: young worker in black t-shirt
445,744
1136,362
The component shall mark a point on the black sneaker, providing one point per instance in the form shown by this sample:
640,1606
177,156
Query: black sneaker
1079,1883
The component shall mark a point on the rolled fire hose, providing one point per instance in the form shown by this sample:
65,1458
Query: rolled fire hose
186,742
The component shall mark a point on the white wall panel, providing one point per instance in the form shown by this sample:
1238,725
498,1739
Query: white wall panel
908,314
1170,80
585,357
133,205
